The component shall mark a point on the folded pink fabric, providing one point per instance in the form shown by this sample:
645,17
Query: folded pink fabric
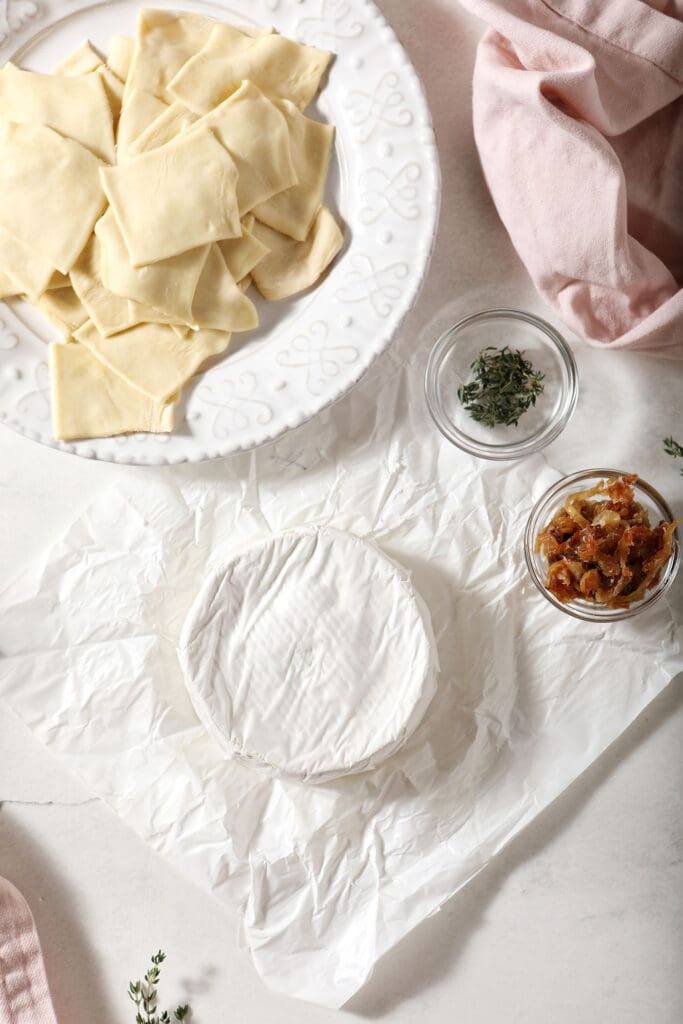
578,118
24,992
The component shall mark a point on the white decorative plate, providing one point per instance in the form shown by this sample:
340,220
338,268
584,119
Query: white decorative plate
384,185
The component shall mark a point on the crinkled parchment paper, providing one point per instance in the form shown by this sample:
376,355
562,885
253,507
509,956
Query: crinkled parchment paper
327,878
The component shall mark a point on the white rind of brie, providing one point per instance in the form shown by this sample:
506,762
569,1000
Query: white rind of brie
309,655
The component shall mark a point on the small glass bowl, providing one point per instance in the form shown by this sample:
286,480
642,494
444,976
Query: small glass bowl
450,365
553,500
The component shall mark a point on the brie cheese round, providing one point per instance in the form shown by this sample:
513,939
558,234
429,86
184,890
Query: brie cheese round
309,655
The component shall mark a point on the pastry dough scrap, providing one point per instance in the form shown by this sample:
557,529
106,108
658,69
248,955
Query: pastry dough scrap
139,109
82,61
25,270
85,60
152,358
163,43
255,134
175,198
113,87
110,313
174,120
242,254
8,287
218,302
64,309
76,106
88,400
293,210
120,55
58,280
280,67
169,286
50,192
292,266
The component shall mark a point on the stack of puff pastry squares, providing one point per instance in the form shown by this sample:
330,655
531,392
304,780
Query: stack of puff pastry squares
142,195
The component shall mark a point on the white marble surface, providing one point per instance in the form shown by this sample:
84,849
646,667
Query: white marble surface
579,920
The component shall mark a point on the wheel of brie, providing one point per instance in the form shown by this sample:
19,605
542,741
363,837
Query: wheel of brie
309,655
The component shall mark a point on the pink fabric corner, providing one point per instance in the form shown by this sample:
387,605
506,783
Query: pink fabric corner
578,119
24,993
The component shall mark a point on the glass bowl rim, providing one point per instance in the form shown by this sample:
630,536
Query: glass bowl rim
590,613
516,449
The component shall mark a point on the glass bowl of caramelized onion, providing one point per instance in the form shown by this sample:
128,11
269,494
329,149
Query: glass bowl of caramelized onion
602,545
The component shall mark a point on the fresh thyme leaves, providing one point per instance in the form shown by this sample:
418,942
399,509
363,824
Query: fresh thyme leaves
673,448
505,385
144,995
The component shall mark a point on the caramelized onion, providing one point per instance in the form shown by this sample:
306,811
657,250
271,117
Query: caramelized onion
604,550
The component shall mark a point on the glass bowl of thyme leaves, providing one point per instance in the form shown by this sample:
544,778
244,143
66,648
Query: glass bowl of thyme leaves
501,384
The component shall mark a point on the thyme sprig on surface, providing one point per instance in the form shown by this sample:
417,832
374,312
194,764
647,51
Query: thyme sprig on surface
674,449
144,995
505,385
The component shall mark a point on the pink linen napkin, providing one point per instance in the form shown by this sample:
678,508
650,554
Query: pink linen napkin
578,118
24,992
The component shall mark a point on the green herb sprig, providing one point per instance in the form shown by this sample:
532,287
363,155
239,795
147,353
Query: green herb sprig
144,995
674,449
505,385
